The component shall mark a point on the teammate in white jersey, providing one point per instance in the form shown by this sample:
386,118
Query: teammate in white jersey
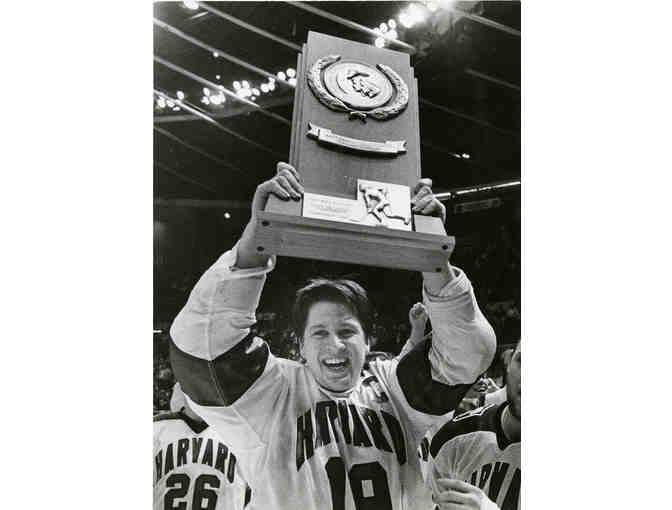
193,469
475,458
335,432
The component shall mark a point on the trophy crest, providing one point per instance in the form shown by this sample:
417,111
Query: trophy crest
357,88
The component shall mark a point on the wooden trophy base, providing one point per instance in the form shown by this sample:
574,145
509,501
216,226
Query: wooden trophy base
282,230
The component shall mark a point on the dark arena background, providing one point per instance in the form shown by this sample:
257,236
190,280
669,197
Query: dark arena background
214,145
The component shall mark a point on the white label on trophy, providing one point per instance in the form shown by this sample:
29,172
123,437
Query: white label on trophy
378,204
325,207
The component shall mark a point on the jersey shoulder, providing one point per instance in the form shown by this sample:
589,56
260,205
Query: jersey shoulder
169,418
483,419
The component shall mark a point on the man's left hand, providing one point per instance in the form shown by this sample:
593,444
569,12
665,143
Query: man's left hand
424,202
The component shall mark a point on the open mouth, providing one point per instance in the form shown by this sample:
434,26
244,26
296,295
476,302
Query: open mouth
337,364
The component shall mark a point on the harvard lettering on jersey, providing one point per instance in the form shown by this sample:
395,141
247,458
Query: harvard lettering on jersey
302,446
193,469
474,449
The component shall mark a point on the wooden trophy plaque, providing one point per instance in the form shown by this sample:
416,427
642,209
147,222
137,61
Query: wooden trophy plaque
356,144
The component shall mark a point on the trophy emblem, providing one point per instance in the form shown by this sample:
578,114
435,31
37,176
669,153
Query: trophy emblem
357,88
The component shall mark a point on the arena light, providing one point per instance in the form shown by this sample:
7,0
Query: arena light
281,75
379,42
406,20
465,155
255,91
391,23
180,95
383,27
292,81
205,100
291,73
271,86
216,100
218,76
161,102
264,88
190,4
227,215
236,86
206,91
245,84
215,54
392,34
176,109
170,103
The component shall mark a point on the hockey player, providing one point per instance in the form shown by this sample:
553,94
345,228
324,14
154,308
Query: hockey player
475,458
332,433
193,469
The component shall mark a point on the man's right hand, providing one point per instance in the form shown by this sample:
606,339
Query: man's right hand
286,185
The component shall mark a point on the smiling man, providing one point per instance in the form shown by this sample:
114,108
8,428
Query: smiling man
336,432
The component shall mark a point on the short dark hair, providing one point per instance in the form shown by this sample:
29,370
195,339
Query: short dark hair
345,292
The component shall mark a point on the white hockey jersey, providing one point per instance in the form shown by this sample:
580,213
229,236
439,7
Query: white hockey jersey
474,449
301,446
193,469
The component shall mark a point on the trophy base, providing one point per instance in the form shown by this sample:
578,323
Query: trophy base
281,231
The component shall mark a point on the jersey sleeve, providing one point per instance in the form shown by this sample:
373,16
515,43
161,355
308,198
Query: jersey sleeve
463,341
229,376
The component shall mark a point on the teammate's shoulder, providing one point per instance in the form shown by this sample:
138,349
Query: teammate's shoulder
167,415
483,419
167,419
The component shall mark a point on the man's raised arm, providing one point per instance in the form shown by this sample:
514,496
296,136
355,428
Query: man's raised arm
214,356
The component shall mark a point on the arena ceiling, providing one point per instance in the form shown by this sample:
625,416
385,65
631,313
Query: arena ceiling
466,57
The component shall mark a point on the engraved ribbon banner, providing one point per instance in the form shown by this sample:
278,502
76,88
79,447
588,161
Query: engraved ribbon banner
326,136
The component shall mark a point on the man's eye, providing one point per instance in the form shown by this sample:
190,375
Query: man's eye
346,333
320,333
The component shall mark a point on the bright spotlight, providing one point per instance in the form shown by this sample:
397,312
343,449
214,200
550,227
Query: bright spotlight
264,88
176,109
191,4
236,85
416,13
465,155
291,72
271,86
379,42
292,81
170,104
180,95
161,103
246,84
206,91
383,27
406,20
281,75
218,76
392,34
215,100
227,215
391,23
255,91
205,100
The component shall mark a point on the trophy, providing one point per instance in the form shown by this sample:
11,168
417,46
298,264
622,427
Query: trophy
356,143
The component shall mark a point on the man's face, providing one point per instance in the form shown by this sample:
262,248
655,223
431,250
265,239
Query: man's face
334,345
513,383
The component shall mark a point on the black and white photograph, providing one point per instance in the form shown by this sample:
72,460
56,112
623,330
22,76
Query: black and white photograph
339,220
337,255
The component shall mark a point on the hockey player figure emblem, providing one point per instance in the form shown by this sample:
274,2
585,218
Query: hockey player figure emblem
377,202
